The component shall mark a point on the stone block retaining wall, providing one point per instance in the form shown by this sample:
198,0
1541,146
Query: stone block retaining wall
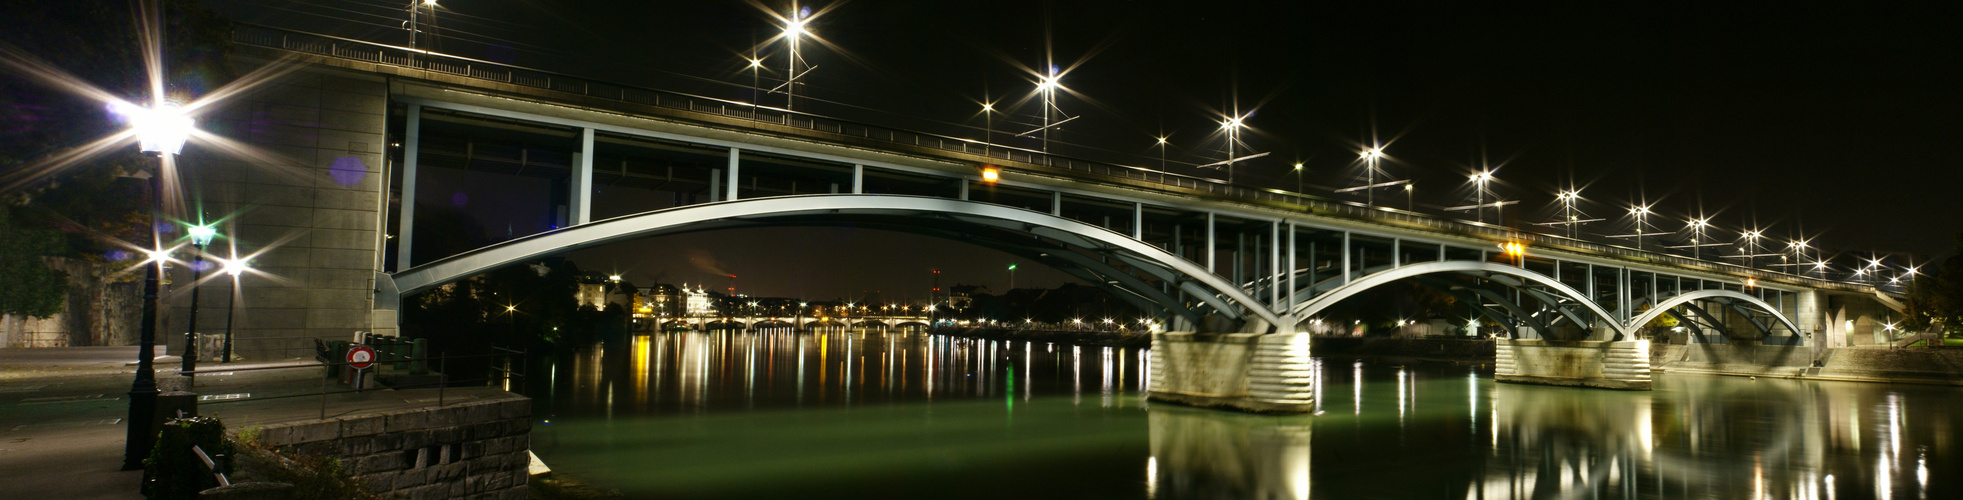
473,450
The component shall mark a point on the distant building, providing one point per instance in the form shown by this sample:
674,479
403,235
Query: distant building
658,301
599,292
698,301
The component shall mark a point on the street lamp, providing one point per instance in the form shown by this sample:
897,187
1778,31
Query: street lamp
1479,193
161,131
1567,210
233,267
1012,277
1410,203
1751,248
1298,177
1641,213
415,10
988,129
1697,236
201,235
1370,157
1233,124
1047,85
794,30
1162,155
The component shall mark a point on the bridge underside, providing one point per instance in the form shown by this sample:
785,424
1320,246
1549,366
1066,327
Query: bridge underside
1141,274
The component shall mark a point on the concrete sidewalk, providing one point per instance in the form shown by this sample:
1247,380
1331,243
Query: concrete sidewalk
63,412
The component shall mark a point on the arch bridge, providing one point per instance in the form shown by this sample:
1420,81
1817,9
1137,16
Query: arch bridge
499,165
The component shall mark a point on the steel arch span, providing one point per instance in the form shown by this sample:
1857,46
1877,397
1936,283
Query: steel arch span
1306,310
926,215
1727,297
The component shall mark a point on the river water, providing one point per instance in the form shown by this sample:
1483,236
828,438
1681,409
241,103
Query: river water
872,414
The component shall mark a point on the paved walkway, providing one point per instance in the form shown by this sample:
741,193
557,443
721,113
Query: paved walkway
63,412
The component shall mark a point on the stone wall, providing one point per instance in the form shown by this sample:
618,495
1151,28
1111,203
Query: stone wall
302,197
103,308
1244,371
1592,363
477,450
1743,359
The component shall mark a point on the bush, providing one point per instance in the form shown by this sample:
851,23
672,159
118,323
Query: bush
173,471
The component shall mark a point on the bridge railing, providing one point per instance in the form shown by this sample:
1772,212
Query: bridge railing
323,45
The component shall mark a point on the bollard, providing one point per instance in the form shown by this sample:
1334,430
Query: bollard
418,349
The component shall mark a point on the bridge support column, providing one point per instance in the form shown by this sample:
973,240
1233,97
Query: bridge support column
1589,363
1269,373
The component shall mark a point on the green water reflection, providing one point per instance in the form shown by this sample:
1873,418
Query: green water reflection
874,414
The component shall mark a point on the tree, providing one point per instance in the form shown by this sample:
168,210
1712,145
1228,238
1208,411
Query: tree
1935,297
81,209
32,288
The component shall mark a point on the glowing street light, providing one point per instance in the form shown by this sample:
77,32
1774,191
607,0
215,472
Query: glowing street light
1233,125
161,129
1516,250
1298,177
1751,248
1568,218
1370,157
415,10
1481,178
201,235
1799,252
988,127
795,30
232,267
1047,85
1162,154
1696,227
1641,213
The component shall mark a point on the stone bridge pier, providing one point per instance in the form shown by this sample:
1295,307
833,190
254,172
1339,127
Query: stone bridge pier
1257,372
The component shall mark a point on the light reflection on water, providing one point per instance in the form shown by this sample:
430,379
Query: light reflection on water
867,413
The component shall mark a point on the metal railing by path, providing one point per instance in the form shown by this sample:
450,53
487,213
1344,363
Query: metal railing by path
733,111
498,373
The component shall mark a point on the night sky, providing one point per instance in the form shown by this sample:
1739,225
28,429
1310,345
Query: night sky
1836,121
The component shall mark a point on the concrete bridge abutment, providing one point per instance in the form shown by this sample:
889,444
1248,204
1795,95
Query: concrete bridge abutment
1267,373
1587,363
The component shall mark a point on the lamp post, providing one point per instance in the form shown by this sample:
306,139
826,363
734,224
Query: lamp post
988,129
1046,85
415,11
1697,237
201,235
1162,155
1479,193
233,267
1799,255
1298,177
793,30
1641,213
1567,210
1370,157
1410,203
1751,247
161,131
1012,277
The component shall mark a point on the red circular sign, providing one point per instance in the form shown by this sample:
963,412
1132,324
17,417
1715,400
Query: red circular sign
361,357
